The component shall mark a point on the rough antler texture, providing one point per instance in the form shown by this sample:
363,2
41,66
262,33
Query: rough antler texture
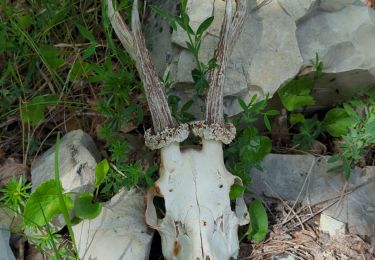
230,31
134,43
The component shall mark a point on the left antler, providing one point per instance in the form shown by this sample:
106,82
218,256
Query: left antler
134,43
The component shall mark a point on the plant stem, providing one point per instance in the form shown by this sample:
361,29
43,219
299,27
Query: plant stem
61,197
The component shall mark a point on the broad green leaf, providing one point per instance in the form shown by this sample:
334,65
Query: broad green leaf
85,33
33,111
258,227
236,191
296,93
101,171
296,118
51,56
204,25
85,208
337,122
44,204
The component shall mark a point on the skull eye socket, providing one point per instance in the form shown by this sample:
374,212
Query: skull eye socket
159,203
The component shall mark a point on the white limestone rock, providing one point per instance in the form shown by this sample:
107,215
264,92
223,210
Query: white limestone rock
119,232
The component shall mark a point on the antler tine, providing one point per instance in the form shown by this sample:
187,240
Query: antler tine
230,31
134,43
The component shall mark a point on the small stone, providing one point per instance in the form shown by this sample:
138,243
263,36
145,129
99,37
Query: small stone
331,225
284,257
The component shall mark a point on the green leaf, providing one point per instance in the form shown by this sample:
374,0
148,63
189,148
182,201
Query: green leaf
204,25
44,204
33,111
265,147
85,33
85,208
337,122
272,113
267,122
101,171
183,6
25,21
258,227
80,69
89,51
242,104
236,191
296,93
296,118
51,56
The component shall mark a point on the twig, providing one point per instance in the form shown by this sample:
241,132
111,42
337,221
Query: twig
302,188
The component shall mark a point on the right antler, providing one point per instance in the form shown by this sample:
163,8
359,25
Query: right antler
134,43
229,33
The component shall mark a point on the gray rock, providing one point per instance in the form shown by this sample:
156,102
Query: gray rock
78,158
277,43
289,177
119,232
5,250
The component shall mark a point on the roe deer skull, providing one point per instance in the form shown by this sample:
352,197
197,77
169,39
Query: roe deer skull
199,222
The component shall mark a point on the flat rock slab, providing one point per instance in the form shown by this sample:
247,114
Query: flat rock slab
119,232
305,178
77,161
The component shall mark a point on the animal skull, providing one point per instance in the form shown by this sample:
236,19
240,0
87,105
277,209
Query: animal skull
195,185
199,222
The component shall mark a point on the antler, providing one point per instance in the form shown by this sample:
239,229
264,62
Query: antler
229,33
134,43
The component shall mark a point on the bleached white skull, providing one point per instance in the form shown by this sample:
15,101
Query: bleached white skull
199,222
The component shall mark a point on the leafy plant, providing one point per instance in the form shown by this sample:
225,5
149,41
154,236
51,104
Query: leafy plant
199,74
15,194
357,138
309,131
296,93
249,148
